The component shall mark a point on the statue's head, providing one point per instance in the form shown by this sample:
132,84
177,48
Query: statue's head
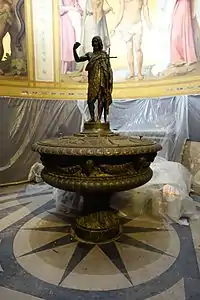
97,43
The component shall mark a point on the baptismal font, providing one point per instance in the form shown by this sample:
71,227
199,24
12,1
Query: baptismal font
96,163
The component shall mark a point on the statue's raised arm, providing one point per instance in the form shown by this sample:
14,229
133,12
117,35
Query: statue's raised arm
76,56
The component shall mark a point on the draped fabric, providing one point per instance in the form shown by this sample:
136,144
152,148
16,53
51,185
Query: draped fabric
25,121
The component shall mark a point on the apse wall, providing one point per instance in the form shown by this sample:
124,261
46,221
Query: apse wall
170,120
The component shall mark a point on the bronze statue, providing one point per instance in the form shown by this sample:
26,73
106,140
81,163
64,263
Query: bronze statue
96,163
100,78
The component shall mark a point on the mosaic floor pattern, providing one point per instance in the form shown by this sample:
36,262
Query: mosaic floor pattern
39,259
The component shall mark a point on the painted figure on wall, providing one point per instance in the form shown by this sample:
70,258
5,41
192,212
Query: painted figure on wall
95,23
12,22
182,38
6,20
130,25
164,10
68,34
138,27
196,25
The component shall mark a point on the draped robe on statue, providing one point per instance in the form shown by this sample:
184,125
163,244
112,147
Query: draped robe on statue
100,77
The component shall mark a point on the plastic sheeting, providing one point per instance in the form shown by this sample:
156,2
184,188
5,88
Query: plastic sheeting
24,121
162,119
35,173
165,195
165,120
194,118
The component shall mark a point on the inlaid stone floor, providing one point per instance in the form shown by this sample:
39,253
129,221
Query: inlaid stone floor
40,260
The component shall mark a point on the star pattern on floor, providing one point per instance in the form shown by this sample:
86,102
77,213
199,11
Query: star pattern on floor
83,249
147,282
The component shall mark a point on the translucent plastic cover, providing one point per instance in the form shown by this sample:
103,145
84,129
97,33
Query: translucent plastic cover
164,120
168,120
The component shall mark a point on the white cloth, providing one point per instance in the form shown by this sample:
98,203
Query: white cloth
128,32
165,195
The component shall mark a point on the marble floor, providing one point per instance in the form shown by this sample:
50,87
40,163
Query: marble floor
39,259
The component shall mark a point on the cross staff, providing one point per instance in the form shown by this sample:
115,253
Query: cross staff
109,54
